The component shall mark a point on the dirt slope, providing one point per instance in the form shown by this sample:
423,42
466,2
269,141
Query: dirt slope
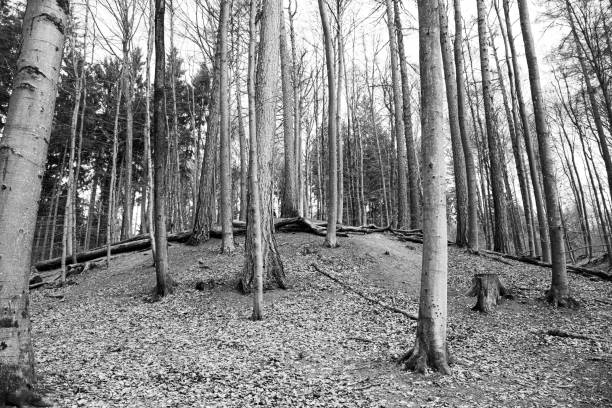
104,344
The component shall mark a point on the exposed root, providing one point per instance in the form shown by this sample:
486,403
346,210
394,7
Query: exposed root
555,298
418,360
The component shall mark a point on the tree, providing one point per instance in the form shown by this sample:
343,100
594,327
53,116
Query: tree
23,152
254,200
332,185
227,236
289,202
531,150
411,156
266,92
430,348
500,227
403,217
558,294
466,141
160,148
459,166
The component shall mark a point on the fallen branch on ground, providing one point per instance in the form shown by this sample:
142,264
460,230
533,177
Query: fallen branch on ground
560,333
363,295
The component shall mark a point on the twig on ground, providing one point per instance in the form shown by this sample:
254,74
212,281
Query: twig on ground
363,295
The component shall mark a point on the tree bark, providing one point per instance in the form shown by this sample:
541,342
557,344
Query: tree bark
254,230
461,193
430,348
500,226
531,153
289,202
160,147
466,142
414,190
23,151
332,185
266,92
403,219
558,293
227,238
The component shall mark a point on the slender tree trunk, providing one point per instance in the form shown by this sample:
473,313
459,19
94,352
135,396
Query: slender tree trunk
91,211
466,142
559,289
403,215
227,237
126,226
340,140
512,119
453,117
147,130
431,347
254,253
204,215
531,153
244,151
23,151
411,156
111,190
497,186
289,202
332,185
160,147
266,92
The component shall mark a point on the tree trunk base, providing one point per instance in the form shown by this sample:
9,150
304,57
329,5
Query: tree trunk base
488,290
558,299
418,360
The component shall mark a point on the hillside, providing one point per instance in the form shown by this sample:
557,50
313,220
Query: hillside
102,342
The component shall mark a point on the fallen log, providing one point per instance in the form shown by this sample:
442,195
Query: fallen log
141,242
571,268
129,245
364,296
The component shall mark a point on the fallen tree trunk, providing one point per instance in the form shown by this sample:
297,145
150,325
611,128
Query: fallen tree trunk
129,245
141,242
571,268
363,295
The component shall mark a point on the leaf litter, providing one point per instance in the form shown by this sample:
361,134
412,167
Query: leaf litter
105,344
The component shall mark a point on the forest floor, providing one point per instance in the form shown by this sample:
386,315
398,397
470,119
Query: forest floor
102,342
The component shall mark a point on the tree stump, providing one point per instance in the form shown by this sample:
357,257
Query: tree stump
488,290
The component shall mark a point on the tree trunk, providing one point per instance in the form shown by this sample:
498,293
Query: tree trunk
289,202
266,92
403,216
254,242
531,153
91,211
466,142
453,117
411,156
160,147
111,190
244,151
23,151
559,289
430,347
497,184
126,226
227,237
332,185
340,139
516,145
204,215
147,131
